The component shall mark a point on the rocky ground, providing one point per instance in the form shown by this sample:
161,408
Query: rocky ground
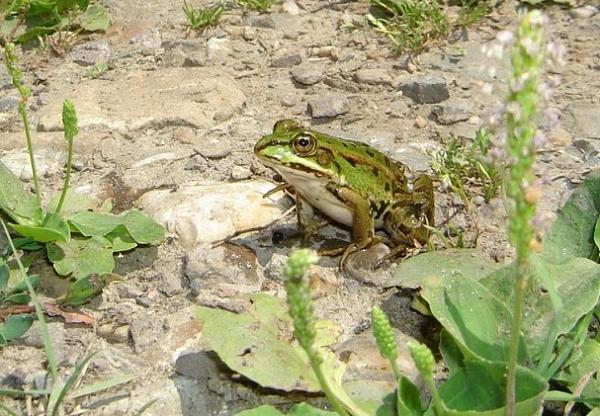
171,126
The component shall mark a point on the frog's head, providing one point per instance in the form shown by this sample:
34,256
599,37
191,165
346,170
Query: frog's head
292,148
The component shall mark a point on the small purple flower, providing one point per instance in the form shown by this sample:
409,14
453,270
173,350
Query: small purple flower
556,53
505,37
531,47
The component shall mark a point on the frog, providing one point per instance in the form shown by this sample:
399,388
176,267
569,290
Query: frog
352,184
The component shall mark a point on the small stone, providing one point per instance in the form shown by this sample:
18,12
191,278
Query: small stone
239,173
290,7
249,33
420,122
289,100
452,111
148,42
583,12
146,330
586,118
218,48
9,103
214,148
328,106
426,89
360,266
560,137
307,74
56,330
274,268
91,53
263,21
185,135
286,60
128,291
478,200
373,76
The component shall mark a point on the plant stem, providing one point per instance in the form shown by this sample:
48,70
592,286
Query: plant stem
52,363
63,193
36,182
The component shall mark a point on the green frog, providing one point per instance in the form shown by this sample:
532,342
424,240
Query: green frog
351,183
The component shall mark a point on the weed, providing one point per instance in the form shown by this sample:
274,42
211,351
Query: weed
97,70
459,165
24,21
262,6
78,238
200,19
409,24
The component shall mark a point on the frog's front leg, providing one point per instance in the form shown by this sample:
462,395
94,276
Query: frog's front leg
305,214
363,228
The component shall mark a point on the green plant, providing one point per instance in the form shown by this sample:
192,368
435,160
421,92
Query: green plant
24,20
409,24
459,165
200,19
79,238
16,325
262,6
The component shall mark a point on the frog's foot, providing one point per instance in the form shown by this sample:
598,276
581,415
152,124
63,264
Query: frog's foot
351,248
401,250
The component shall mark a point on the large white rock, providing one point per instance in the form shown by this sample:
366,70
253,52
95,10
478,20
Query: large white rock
171,96
209,212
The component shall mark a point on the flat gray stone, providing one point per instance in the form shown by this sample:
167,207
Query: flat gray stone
328,106
307,74
286,60
148,42
193,97
9,103
373,76
452,111
586,119
426,89
91,53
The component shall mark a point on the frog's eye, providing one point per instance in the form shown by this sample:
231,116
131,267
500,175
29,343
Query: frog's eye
304,144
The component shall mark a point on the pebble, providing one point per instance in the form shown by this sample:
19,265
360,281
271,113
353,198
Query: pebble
286,60
306,74
264,21
420,122
148,42
214,148
240,173
274,267
147,329
560,137
56,330
9,103
586,119
426,89
91,53
328,105
452,111
583,12
290,7
373,76
218,48
249,33
289,100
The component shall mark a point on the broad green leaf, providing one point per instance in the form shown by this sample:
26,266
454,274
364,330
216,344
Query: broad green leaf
583,371
375,397
14,326
142,228
95,18
477,320
74,202
18,298
256,345
120,241
302,409
479,390
597,233
15,201
86,288
438,264
21,286
81,257
572,234
4,274
91,223
54,228
409,399
576,283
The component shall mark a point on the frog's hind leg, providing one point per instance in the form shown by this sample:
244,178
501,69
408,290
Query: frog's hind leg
307,223
423,195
